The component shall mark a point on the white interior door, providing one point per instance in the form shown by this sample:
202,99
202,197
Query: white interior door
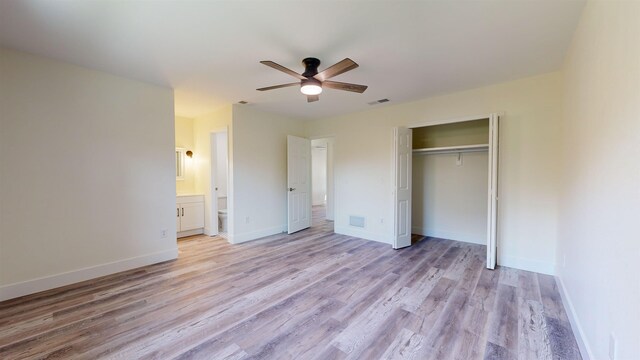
492,213
298,183
213,216
402,187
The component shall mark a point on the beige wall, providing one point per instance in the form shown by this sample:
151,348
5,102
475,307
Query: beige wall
184,139
260,172
256,190
529,157
599,247
87,176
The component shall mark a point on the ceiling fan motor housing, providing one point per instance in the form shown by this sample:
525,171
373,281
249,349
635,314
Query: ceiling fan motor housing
310,67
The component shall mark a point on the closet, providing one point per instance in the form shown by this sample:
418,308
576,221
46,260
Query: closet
446,182
450,174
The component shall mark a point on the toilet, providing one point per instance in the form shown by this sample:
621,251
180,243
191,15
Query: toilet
222,220
222,214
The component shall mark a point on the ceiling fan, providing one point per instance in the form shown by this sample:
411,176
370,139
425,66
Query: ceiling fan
311,81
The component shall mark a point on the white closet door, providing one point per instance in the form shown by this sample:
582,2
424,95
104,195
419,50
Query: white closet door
402,187
492,213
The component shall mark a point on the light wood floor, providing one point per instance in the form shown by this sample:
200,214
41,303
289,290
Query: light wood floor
311,295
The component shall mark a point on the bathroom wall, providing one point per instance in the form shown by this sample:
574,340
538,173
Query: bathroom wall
184,139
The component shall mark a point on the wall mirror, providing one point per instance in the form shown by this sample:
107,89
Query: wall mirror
180,158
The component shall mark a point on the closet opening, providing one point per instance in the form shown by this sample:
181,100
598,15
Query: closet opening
446,183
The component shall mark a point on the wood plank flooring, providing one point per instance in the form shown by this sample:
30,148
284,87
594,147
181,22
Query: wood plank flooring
310,295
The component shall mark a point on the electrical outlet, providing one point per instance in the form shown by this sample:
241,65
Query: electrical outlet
163,233
247,220
612,347
381,221
564,260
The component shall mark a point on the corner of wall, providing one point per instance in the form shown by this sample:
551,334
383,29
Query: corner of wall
583,345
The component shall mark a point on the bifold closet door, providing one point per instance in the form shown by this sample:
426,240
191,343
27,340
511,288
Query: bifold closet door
402,187
492,213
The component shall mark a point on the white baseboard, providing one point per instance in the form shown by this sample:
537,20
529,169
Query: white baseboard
253,235
363,234
583,345
450,235
15,290
542,267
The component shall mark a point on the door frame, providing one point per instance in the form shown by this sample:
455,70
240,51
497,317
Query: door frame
213,197
331,193
493,167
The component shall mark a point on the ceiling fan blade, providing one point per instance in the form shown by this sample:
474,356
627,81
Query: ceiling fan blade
278,86
344,86
336,69
283,69
312,98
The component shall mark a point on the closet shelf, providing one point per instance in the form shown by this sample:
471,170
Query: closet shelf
452,149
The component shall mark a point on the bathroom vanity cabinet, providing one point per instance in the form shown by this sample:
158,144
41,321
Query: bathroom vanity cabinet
189,215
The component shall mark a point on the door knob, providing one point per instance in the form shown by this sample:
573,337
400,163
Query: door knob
291,189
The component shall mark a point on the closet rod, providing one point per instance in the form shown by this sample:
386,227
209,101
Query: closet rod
453,149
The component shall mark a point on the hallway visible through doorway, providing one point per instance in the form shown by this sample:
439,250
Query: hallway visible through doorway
319,218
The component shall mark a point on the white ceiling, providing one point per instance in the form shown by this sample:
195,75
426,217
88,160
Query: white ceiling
209,51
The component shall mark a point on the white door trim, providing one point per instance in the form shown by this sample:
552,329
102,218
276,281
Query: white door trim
451,120
492,192
331,195
213,195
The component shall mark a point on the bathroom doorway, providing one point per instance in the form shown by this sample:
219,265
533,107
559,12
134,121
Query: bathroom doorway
219,183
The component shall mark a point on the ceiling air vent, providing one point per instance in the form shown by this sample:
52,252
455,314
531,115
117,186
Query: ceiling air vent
378,102
242,102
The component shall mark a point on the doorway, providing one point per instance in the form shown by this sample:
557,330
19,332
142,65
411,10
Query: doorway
322,198
219,187
322,181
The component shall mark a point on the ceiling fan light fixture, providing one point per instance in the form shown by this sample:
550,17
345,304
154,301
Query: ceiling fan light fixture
312,81
311,87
